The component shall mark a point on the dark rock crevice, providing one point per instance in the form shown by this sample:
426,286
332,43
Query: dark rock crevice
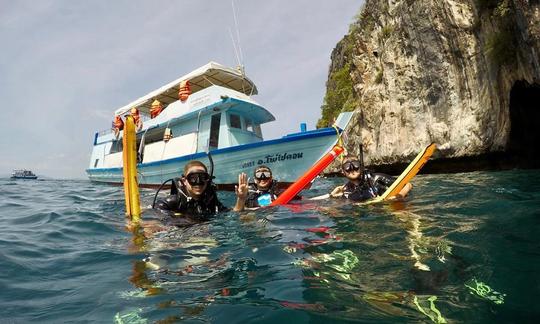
524,139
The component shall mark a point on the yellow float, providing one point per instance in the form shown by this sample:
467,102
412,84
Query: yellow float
131,186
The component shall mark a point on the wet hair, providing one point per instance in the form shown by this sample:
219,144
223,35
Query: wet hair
262,167
192,164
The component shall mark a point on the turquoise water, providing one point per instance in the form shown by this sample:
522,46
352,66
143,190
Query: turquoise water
461,248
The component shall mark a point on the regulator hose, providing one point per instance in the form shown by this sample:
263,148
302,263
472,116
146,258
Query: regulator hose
161,187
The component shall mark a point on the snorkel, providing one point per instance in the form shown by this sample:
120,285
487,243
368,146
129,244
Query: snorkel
365,176
211,165
362,157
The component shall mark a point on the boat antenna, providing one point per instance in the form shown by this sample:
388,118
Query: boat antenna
235,49
241,55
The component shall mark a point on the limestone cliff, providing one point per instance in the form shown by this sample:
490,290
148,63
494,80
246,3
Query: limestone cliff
462,73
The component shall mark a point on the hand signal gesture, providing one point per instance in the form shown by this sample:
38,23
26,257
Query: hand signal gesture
337,192
242,187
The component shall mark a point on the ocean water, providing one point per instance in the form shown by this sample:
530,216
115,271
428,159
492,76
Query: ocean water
461,248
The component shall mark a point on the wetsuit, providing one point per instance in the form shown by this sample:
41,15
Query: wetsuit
371,186
259,198
179,201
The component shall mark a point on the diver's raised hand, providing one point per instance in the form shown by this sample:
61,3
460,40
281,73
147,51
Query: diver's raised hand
241,192
242,187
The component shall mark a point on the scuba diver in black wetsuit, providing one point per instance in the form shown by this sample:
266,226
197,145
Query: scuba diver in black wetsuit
192,201
194,195
264,190
363,184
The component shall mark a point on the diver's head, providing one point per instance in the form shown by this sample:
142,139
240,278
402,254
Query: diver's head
263,177
352,168
195,178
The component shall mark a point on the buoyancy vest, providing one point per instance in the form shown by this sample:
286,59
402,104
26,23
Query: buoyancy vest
260,198
371,186
180,202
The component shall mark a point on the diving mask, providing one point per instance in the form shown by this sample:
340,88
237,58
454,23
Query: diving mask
351,166
263,174
197,178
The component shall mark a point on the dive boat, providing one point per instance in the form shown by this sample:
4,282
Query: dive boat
23,174
208,111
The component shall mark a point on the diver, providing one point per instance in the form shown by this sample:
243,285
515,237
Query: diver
192,202
363,184
264,190
194,196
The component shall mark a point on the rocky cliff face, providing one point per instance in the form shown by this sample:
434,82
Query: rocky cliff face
462,73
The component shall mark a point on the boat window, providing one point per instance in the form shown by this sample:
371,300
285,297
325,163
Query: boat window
152,136
249,125
95,163
214,132
235,121
116,146
257,130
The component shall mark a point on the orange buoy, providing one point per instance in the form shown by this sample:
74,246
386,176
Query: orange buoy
184,91
118,123
156,109
306,178
136,118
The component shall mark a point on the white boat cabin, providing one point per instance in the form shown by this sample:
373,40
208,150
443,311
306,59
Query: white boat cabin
219,113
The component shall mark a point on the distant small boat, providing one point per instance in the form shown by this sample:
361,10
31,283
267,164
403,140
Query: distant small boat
23,174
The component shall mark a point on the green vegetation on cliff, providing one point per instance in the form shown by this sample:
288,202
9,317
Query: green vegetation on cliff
339,96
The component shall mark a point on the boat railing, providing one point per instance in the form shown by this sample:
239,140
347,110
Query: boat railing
108,131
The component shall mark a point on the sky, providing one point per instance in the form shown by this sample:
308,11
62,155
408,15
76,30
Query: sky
66,66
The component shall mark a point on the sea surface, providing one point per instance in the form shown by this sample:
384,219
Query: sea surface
461,248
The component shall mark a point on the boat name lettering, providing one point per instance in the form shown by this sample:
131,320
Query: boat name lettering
272,158
200,100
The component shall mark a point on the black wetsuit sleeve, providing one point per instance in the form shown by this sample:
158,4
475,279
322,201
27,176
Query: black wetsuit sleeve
382,181
221,207
168,204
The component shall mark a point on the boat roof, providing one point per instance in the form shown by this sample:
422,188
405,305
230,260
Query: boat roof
207,75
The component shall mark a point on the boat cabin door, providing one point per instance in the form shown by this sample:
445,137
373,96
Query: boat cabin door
213,140
209,133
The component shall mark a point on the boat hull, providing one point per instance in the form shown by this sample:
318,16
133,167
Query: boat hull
288,157
24,178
